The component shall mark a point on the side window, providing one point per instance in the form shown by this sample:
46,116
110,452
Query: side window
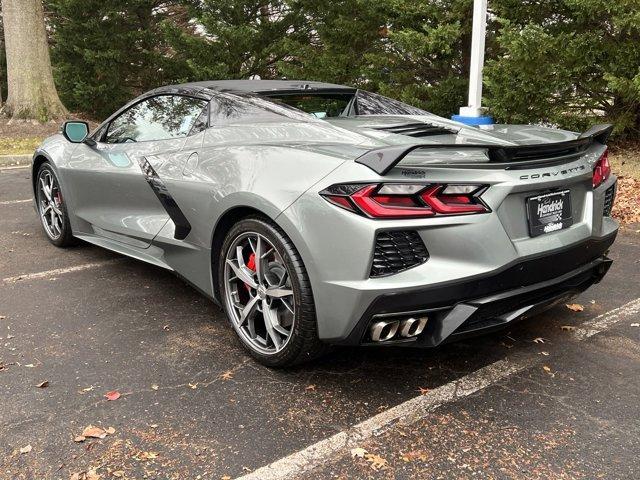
157,118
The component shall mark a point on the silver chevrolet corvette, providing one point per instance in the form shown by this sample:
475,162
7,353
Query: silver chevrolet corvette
319,214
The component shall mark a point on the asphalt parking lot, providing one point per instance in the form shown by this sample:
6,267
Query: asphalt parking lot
554,397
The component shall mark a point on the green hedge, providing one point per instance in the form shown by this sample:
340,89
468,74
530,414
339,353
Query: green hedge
568,63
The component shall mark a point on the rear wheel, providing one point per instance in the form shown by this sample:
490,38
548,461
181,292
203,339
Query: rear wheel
52,209
266,294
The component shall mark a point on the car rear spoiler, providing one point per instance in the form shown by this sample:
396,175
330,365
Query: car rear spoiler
382,160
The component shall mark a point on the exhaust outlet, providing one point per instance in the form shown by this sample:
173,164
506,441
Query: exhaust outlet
412,327
383,330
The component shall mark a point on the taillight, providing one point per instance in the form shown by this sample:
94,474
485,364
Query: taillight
602,170
407,200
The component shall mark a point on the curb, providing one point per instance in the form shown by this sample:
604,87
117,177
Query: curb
13,160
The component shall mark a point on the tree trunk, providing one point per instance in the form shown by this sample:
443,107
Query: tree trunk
31,92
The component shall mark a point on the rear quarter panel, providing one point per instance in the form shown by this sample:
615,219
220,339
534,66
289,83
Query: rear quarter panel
267,178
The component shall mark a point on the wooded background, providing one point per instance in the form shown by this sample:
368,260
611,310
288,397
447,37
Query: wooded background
568,63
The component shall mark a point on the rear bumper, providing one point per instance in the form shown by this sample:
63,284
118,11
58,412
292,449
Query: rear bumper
489,302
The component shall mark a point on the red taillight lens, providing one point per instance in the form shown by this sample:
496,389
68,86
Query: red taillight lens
388,206
407,200
602,170
446,204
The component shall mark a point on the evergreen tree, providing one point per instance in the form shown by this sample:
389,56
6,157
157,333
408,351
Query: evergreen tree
107,51
413,50
569,63
237,38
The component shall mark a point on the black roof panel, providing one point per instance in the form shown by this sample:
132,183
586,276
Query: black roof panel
255,86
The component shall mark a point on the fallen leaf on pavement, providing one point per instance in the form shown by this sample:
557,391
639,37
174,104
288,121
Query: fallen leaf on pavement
44,384
376,461
79,438
358,452
143,456
3,317
112,395
26,449
423,391
575,307
193,386
546,368
568,328
118,474
110,430
94,432
154,387
228,375
85,390
414,455
546,354
311,388
538,340
88,475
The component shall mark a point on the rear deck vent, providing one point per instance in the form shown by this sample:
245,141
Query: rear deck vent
396,251
609,197
415,129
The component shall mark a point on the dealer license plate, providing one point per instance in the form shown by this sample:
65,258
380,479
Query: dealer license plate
549,213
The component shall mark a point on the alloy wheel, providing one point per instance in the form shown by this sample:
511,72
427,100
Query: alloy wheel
50,204
259,295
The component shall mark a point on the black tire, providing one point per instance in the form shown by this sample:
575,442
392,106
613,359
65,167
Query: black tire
65,238
303,344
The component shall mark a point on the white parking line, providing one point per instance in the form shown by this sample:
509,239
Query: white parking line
57,271
607,320
15,167
303,461
13,202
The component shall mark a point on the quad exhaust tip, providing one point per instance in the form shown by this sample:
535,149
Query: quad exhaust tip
385,330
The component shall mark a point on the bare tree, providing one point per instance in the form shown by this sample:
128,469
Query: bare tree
31,91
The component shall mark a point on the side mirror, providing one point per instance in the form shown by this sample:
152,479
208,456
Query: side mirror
75,131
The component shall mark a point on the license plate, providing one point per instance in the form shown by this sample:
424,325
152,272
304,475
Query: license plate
549,213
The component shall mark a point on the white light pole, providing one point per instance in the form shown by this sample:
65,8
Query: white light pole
472,113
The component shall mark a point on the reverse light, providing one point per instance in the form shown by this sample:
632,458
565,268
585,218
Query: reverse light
602,170
407,200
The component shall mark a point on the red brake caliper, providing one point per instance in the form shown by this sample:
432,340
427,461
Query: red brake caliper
251,265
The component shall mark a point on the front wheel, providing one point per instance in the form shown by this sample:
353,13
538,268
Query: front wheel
52,209
266,294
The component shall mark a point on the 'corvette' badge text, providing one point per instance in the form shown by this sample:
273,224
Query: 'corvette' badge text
553,174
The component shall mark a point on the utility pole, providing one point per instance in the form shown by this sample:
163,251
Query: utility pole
472,113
